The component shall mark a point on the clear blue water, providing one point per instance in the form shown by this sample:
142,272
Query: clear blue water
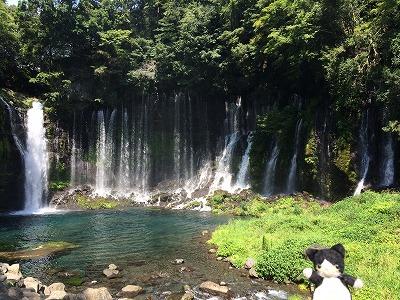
143,242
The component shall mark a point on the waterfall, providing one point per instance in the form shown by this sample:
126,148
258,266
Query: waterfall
223,175
101,180
242,178
13,126
124,168
387,162
269,180
365,156
291,182
36,160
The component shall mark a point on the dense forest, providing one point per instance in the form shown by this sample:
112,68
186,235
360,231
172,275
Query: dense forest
340,58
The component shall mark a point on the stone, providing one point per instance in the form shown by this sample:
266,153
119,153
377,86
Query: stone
222,283
54,287
74,297
113,267
214,288
13,274
57,295
204,232
187,296
3,278
97,294
13,268
31,295
130,291
212,251
15,293
110,273
219,258
4,268
253,273
33,284
187,288
250,263
179,261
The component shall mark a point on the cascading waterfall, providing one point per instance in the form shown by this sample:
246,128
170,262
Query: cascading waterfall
387,162
365,156
36,160
101,180
124,165
270,171
242,181
223,175
291,183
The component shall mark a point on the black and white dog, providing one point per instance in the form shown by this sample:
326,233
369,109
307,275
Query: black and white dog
329,278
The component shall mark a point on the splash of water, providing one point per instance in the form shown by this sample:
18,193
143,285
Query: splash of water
36,160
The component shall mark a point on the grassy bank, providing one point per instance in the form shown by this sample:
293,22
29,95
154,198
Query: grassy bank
367,225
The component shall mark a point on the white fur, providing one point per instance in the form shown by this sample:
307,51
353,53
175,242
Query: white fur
332,289
327,270
307,272
358,284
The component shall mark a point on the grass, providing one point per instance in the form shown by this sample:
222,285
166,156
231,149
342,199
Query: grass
367,225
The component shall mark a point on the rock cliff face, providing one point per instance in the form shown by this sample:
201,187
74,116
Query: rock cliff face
11,164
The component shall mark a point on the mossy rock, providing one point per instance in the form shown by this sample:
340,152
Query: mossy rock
85,202
43,250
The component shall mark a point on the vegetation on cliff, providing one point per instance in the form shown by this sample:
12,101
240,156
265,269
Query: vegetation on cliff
367,225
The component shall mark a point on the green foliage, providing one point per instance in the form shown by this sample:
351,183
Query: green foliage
367,225
95,203
58,185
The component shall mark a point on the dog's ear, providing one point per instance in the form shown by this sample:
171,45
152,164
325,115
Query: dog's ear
310,252
339,248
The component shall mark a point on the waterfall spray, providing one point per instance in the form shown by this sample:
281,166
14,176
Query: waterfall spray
242,178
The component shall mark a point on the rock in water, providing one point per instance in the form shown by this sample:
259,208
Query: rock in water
110,273
13,274
179,261
113,267
57,295
130,291
57,286
97,294
214,288
32,283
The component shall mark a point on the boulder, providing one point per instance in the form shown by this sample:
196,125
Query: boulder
97,294
113,267
250,263
54,287
74,297
31,295
110,273
179,261
130,291
3,278
214,288
212,251
15,293
32,284
4,268
253,273
57,295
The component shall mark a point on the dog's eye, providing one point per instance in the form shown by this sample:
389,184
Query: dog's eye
337,267
318,266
